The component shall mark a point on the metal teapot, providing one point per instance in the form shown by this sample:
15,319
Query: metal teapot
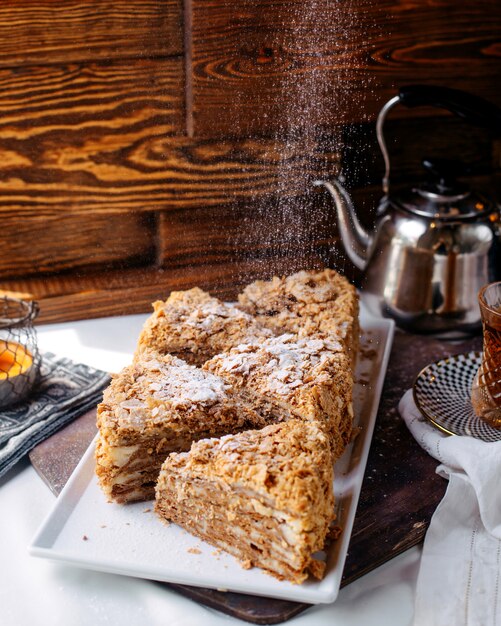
434,245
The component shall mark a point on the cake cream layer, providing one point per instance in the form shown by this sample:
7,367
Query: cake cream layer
264,495
309,378
306,303
195,326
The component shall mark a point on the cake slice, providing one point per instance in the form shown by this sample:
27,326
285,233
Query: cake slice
306,303
158,405
265,496
195,326
289,377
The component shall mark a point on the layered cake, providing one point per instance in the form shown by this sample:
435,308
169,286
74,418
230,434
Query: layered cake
158,405
286,376
306,303
265,496
195,326
243,411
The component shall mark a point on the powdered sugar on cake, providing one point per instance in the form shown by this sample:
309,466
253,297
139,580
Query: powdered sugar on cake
184,385
284,362
208,313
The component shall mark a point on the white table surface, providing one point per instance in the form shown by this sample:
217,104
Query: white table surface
35,592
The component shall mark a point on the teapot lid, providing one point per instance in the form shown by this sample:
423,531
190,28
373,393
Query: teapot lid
442,197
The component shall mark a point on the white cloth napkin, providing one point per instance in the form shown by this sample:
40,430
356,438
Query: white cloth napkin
459,581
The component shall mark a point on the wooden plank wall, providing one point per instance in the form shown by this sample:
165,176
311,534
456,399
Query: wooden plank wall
150,145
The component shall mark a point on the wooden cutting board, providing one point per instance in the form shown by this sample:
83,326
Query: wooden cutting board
399,495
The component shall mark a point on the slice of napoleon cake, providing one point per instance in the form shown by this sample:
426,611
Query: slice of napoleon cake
285,377
155,406
194,326
307,303
265,496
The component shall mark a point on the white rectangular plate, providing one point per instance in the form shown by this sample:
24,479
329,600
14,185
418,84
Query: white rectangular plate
83,529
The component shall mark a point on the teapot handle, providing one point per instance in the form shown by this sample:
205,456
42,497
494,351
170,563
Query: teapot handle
471,108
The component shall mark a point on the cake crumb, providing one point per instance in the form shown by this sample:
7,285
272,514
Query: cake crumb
147,510
334,533
85,538
368,353
194,551
317,569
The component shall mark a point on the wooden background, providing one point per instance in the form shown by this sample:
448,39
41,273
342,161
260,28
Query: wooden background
147,145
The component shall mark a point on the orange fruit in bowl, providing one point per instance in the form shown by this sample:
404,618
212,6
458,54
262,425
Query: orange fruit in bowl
15,359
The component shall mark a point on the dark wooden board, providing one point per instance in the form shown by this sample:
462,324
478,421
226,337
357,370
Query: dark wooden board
44,31
205,115
399,494
94,144
243,231
253,59
87,136
37,245
56,457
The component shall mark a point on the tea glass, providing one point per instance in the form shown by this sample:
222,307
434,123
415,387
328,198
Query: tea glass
486,387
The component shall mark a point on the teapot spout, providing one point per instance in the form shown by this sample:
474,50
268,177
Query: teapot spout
356,240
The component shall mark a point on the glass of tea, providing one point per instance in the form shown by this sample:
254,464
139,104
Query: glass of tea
486,387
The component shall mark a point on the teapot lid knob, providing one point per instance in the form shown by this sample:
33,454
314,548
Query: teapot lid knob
442,177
